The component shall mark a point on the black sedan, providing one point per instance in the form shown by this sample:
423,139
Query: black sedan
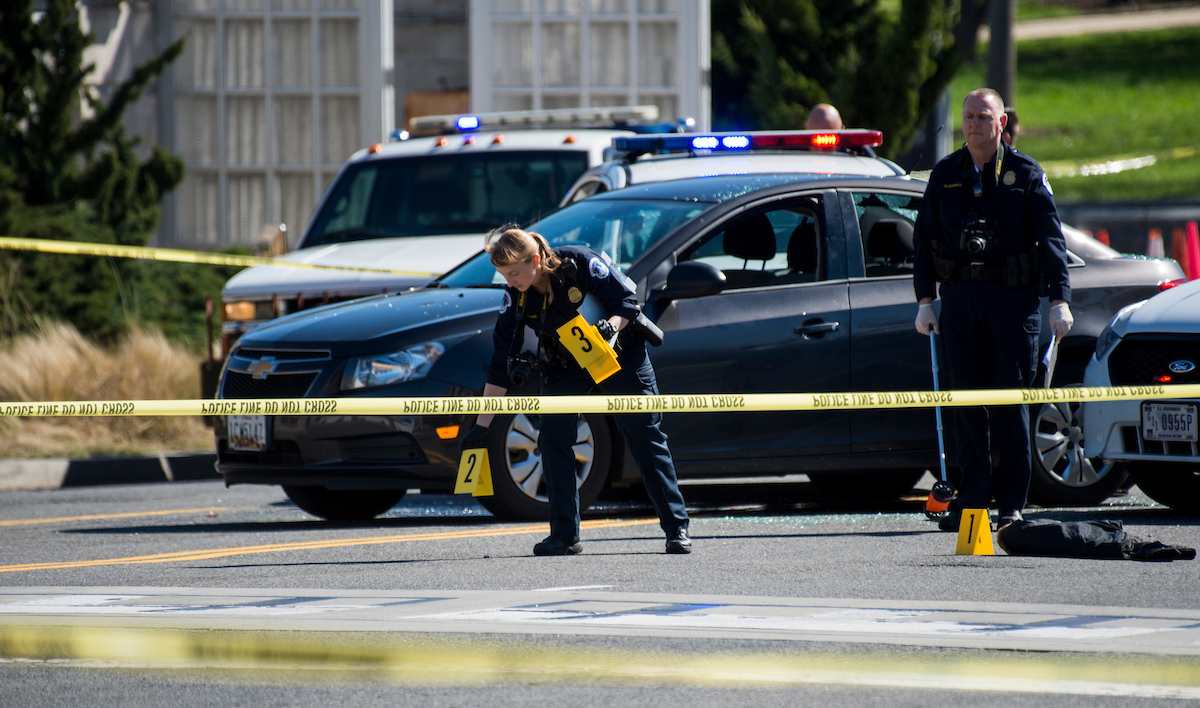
762,284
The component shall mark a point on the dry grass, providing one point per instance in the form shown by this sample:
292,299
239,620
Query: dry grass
57,364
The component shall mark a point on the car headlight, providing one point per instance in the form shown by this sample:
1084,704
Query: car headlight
408,364
1116,326
1105,341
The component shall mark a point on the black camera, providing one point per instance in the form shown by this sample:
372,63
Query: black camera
978,238
522,367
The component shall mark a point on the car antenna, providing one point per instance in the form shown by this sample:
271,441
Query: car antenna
922,153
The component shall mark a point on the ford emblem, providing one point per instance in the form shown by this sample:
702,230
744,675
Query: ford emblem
1181,366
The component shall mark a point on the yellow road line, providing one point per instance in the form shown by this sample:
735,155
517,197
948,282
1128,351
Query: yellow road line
125,515
211,553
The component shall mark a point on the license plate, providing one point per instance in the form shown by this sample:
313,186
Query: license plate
247,433
1169,421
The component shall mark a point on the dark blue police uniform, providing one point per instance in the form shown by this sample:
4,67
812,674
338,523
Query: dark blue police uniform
595,275
990,320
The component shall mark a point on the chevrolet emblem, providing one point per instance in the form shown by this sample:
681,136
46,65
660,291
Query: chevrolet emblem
262,367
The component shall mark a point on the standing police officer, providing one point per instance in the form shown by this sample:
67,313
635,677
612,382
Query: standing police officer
989,233
546,288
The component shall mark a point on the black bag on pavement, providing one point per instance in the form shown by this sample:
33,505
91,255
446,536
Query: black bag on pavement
1104,539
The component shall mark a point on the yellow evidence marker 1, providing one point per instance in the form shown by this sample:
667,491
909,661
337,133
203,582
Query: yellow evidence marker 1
975,534
590,350
474,473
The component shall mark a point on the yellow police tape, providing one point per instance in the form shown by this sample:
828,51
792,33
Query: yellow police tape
431,660
698,403
80,248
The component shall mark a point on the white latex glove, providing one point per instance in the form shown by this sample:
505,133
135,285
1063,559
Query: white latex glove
1061,319
927,320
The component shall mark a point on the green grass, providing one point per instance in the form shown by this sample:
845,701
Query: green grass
1093,98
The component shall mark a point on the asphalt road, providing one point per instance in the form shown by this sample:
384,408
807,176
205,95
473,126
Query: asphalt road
190,593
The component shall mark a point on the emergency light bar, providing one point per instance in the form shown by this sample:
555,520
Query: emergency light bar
566,117
753,140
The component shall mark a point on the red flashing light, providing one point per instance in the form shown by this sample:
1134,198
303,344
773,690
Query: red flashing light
826,140
498,139
1168,284
569,140
469,140
441,142
1163,379
375,148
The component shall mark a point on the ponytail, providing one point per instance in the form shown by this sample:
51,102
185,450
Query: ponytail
510,244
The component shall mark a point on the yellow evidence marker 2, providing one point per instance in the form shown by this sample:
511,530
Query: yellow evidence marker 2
590,350
474,474
975,534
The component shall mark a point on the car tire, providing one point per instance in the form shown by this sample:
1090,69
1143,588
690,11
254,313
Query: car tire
867,486
519,490
344,504
1176,485
1061,474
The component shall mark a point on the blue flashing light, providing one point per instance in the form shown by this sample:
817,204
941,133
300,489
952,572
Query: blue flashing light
735,142
467,123
705,142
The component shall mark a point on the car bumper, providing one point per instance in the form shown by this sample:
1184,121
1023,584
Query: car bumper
1113,429
349,452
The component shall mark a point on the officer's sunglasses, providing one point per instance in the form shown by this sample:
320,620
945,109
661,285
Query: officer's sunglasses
977,188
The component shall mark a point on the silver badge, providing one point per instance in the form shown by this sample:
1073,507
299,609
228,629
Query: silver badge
1010,178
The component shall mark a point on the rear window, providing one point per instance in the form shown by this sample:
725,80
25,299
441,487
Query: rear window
444,194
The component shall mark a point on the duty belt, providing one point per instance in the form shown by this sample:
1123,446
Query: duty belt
980,273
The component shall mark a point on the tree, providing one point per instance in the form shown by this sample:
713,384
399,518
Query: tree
775,59
59,163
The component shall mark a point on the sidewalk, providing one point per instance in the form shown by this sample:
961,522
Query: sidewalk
1132,21
22,475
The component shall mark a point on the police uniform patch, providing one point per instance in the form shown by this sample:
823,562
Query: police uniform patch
598,268
507,303
1046,181
1010,178
574,295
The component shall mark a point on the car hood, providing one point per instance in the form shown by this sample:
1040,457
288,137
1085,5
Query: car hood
376,324
422,257
1176,311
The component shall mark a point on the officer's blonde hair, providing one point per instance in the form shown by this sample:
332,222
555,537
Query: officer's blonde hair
511,244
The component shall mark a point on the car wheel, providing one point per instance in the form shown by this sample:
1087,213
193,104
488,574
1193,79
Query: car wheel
867,486
1061,474
1176,485
518,483
344,505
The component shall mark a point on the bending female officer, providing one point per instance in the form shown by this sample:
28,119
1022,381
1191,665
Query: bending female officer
545,290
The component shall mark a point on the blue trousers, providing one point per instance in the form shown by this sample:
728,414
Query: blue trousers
642,432
990,336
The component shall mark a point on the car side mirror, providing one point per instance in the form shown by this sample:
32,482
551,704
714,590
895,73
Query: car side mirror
692,279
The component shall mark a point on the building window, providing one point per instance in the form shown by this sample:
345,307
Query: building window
579,53
268,103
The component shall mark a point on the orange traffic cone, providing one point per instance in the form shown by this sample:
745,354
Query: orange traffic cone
1179,248
1193,251
1154,244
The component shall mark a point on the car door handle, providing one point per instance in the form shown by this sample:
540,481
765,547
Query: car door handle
817,328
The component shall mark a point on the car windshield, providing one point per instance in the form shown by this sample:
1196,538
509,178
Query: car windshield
444,194
622,228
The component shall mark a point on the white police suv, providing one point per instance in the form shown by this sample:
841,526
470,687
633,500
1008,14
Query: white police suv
418,206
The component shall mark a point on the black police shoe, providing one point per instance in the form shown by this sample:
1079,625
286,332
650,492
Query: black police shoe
951,521
558,546
678,542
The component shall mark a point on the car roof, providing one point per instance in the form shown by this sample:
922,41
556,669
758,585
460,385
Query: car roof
664,167
720,188
579,139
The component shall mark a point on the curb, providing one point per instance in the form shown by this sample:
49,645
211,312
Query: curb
58,473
